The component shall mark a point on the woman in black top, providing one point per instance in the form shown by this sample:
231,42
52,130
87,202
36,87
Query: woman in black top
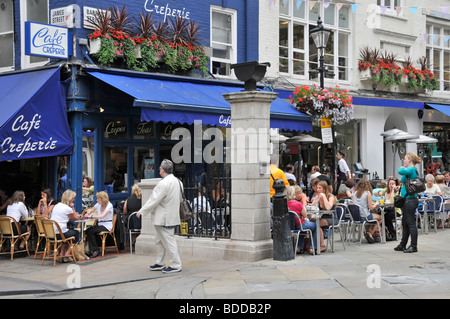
133,204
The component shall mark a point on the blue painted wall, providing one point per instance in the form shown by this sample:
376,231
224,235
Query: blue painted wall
198,10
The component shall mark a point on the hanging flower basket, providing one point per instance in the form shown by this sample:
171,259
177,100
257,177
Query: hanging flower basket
333,103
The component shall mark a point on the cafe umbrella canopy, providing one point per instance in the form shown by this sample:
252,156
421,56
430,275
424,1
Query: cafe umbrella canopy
33,118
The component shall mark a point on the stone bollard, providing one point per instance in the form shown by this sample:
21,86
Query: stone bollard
282,238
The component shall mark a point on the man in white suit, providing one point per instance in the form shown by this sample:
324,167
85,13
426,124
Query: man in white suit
164,209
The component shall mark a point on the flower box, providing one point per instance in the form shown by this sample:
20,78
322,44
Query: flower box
365,75
94,45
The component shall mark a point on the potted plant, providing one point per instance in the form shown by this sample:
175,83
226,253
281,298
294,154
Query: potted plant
333,103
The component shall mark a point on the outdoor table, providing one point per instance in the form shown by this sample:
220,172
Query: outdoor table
383,222
425,200
318,214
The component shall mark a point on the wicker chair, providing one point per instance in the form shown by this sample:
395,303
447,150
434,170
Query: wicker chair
40,231
51,238
105,234
7,233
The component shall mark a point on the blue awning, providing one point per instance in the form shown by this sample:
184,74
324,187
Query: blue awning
33,118
185,101
441,108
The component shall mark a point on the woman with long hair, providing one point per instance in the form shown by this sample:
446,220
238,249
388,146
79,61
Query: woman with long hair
325,200
363,197
17,210
409,171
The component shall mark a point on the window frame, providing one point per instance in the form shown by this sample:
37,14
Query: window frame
441,48
11,32
337,30
233,53
26,59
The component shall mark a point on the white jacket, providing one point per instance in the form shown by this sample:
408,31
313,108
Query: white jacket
164,202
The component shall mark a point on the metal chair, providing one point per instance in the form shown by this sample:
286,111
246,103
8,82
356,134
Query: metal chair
339,223
132,231
105,234
439,210
7,233
40,231
50,227
355,211
299,231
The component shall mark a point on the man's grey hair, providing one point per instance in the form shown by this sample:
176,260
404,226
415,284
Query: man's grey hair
167,166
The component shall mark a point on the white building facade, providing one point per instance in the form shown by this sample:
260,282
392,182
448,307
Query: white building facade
394,27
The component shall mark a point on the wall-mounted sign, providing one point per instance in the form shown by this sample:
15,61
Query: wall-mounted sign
63,17
89,13
47,40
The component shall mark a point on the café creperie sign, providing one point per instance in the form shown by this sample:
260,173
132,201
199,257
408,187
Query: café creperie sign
47,40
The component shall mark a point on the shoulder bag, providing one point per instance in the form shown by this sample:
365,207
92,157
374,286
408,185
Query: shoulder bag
415,186
186,210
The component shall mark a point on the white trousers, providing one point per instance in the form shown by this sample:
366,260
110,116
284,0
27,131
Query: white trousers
165,241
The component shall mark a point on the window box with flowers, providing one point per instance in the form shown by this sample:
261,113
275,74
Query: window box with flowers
333,103
157,47
383,68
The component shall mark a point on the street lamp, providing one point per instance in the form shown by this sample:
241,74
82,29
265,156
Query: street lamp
320,36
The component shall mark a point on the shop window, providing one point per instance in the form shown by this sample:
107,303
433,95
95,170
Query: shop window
144,163
6,35
115,165
116,129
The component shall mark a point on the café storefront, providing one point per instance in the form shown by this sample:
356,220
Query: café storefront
34,132
123,122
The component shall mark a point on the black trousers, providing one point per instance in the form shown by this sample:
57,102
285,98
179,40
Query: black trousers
91,234
409,222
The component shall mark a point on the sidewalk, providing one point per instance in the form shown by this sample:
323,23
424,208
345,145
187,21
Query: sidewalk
366,271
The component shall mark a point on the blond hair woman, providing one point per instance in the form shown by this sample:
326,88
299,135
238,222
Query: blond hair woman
133,204
104,214
62,213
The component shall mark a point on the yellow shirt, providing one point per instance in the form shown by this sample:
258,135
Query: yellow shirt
276,173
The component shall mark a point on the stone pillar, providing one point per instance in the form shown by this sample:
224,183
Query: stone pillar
145,243
250,161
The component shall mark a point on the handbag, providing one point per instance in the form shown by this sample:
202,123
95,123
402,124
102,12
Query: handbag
78,251
399,201
415,186
186,210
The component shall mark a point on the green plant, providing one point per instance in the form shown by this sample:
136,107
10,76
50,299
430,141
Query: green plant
107,53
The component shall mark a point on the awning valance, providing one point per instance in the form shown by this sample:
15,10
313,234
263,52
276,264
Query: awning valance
182,101
33,118
441,108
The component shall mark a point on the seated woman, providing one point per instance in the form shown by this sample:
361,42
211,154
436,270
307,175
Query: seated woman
105,214
133,204
346,189
431,187
300,196
389,193
17,210
46,203
363,197
326,201
300,210
62,213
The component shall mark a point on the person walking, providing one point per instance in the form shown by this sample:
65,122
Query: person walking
164,209
409,171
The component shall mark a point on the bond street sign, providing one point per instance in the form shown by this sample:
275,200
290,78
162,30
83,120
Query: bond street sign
47,40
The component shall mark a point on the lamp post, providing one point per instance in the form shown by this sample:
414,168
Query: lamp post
320,36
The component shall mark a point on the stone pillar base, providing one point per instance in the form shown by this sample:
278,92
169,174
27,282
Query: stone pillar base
208,248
